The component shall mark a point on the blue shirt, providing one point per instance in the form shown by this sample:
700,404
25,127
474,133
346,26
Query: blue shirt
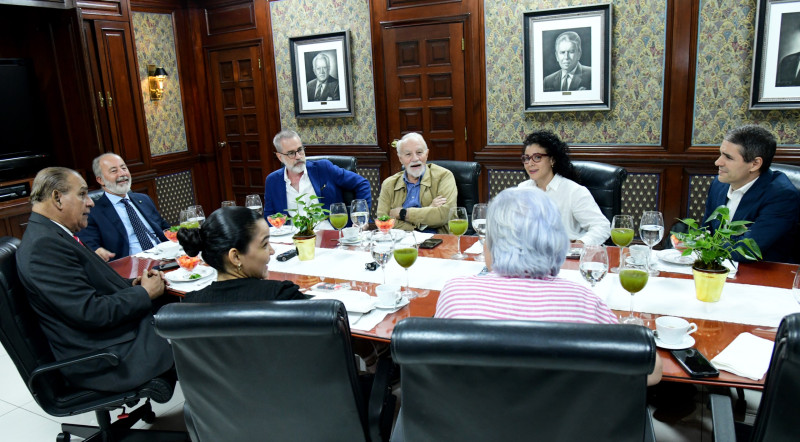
412,191
133,241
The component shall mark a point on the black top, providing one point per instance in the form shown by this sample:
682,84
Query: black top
246,289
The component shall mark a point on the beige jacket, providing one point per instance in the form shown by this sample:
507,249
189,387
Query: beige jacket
436,181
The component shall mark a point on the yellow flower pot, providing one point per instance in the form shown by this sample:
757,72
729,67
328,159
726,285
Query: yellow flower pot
708,284
306,247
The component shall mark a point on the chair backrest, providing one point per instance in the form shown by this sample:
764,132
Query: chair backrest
466,174
96,194
346,163
792,172
776,419
282,368
604,182
520,380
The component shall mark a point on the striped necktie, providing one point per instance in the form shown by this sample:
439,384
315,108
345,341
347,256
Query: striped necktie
138,227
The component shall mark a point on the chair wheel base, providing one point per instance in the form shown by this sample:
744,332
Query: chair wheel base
63,437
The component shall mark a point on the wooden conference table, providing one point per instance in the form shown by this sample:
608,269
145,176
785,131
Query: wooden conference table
711,337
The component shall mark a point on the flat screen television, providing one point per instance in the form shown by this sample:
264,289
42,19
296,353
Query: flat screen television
25,140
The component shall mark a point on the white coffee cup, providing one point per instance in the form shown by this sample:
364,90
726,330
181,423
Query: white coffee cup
388,294
350,233
673,330
639,254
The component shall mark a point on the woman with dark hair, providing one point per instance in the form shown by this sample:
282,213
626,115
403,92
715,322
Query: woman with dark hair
546,159
235,241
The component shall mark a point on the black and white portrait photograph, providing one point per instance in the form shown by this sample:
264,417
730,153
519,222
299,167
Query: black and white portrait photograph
776,56
567,59
321,75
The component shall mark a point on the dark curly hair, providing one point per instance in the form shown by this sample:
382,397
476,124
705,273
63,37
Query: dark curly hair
225,229
556,149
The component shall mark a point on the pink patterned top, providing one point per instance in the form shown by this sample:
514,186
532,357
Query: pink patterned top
493,296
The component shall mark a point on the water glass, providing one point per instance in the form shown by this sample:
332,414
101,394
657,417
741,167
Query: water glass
253,202
479,225
594,263
651,230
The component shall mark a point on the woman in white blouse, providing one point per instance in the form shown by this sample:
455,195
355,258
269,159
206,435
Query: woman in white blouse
546,159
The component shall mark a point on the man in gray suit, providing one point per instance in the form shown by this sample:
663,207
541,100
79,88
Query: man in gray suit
83,304
324,87
573,76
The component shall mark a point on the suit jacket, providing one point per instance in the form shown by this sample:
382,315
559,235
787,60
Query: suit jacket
106,230
85,306
330,91
581,80
327,180
772,204
787,71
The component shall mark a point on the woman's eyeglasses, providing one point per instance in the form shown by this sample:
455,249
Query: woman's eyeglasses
535,157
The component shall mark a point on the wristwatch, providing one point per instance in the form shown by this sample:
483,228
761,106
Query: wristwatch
402,214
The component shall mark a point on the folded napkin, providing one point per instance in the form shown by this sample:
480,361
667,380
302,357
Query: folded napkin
164,251
475,249
747,356
354,301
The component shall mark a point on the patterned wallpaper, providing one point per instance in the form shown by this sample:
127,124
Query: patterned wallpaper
155,44
724,67
295,18
637,77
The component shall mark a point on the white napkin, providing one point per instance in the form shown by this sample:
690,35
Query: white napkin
354,301
747,356
475,249
165,251
368,321
665,266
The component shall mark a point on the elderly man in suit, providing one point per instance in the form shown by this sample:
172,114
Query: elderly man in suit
753,192
573,76
324,87
83,304
789,71
122,222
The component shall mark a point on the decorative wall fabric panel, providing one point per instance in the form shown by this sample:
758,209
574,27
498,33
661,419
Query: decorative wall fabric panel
373,175
698,194
640,193
175,193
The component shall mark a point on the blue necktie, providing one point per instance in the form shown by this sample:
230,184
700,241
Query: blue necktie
138,228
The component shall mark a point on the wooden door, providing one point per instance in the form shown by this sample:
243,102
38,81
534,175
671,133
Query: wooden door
425,90
240,115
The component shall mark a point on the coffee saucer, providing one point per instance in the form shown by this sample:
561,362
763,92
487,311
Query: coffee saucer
688,341
401,303
350,242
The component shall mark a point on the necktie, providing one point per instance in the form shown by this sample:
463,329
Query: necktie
318,93
77,239
138,227
564,82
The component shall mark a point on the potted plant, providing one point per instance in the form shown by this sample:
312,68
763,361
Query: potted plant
713,249
305,218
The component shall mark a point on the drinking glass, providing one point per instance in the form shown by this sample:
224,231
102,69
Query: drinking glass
199,216
406,256
277,220
796,286
228,204
458,223
594,263
382,249
185,218
338,218
479,224
651,230
633,277
359,215
621,235
253,202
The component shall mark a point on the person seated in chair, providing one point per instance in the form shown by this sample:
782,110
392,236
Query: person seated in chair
546,160
235,241
122,222
753,192
84,305
419,196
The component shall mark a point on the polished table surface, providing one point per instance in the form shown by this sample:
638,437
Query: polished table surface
711,337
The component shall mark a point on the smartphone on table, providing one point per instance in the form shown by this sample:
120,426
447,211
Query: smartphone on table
430,243
694,363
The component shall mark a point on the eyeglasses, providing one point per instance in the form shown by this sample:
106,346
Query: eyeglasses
537,157
293,153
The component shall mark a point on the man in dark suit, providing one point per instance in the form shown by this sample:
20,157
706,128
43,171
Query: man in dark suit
122,222
82,303
789,71
572,76
753,192
324,87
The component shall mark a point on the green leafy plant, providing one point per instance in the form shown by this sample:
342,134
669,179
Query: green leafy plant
307,215
712,249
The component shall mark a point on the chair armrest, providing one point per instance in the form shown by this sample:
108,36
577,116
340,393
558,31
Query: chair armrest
722,418
377,408
111,358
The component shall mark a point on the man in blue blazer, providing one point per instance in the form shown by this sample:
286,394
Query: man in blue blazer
298,177
755,193
112,232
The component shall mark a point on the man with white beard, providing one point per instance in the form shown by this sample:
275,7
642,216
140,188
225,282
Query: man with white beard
420,196
122,222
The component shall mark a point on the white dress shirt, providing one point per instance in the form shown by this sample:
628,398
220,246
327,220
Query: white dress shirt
735,197
133,241
303,187
580,214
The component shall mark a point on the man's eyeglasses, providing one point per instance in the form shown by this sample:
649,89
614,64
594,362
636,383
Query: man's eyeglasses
293,153
537,157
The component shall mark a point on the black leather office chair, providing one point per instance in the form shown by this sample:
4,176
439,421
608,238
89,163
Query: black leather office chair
792,172
604,182
346,163
277,370
30,351
96,194
776,419
472,380
466,174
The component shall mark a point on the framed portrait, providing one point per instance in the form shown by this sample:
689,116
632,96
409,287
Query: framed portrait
567,58
321,75
776,56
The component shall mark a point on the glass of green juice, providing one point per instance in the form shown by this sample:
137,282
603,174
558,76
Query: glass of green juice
338,218
633,277
458,221
406,256
621,235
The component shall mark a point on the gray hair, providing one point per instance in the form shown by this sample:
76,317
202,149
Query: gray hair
411,136
323,56
48,180
570,36
285,134
755,142
98,172
525,234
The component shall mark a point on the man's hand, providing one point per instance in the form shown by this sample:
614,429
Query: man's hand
438,201
395,213
152,281
105,254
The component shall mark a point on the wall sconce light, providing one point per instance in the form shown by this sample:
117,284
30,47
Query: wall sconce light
157,76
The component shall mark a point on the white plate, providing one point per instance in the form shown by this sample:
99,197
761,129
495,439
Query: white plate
673,256
350,242
688,341
284,230
182,275
403,302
